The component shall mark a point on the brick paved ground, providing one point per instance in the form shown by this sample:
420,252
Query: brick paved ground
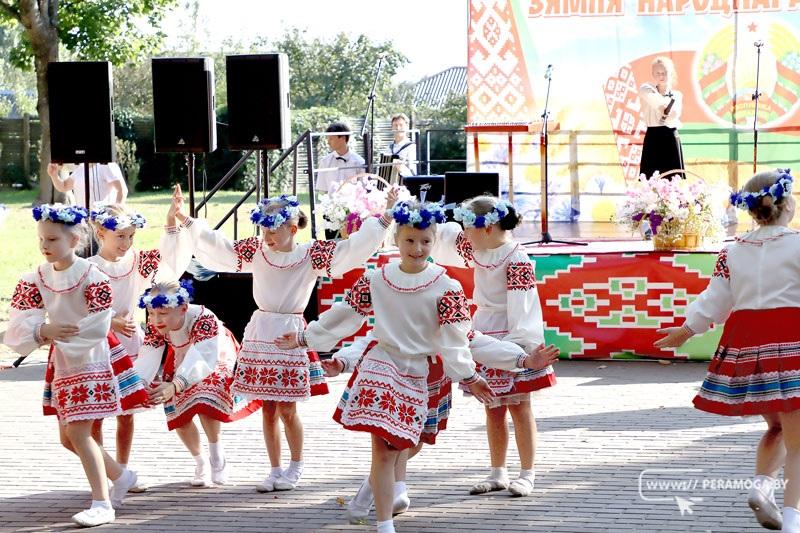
598,429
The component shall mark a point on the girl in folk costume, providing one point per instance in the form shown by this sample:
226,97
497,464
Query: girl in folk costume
419,313
197,374
67,303
284,274
508,309
130,272
506,355
755,290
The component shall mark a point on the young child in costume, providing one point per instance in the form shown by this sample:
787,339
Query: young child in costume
755,291
130,272
508,308
67,303
197,373
284,275
421,314
503,354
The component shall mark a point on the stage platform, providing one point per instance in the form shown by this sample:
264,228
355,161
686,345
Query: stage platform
604,300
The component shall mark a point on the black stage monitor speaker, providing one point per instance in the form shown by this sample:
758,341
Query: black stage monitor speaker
81,123
183,105
460,186
258,101
431,187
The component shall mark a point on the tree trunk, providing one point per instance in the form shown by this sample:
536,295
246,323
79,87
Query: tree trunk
41,30
47,192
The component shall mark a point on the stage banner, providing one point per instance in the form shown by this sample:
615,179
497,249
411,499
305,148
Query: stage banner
601,53
595,305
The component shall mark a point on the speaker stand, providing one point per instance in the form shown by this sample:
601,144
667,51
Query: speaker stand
190,177
87,196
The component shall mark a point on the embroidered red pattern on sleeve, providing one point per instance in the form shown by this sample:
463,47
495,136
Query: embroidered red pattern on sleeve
148,262
204,328
721,268
322,255
453,308
520,276
26,297
98,296
153,338
464,248
245,251
359,296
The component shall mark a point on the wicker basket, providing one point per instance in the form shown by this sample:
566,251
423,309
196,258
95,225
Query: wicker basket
682,241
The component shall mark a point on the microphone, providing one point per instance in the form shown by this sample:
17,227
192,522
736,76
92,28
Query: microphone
668,108
759,43
548,73
382,55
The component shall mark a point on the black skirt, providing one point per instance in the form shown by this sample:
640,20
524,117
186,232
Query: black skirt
661,151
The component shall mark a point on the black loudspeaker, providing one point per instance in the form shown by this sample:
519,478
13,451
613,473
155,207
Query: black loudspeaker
183,105
81,122
460,186
425,188
258,101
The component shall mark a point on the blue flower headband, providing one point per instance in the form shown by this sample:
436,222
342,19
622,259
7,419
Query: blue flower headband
427,214
177,299
109,221
68,215
290,209
469,219
781,187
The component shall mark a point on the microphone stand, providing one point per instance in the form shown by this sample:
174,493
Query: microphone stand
370,113
756,96
543,142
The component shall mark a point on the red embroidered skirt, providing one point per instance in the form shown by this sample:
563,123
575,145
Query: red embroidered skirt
91,393
756,368
396,406
266,372
211,397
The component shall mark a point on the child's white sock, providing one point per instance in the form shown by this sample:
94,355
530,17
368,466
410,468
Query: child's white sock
199,459
123,465
275,471
386,526
103,504
217,453
400,488
529,474
363,497
499,473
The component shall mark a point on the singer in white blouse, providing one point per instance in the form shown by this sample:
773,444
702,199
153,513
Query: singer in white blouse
661,108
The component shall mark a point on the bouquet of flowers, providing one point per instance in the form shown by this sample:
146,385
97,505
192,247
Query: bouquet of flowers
345,209
680,213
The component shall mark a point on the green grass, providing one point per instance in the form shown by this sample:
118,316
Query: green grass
20,250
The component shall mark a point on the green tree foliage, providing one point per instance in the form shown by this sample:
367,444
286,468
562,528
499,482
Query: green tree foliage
446,144
112,30
338,72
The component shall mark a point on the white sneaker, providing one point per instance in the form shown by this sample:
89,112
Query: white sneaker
357,512
765,509
94,517
202,475
141,486
268,485
220,475
289,479
401,503
522,486
121,486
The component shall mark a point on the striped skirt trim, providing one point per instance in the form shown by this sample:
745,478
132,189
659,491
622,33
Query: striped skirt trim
756,368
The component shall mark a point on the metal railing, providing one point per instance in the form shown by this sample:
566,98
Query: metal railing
730,142
304,139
